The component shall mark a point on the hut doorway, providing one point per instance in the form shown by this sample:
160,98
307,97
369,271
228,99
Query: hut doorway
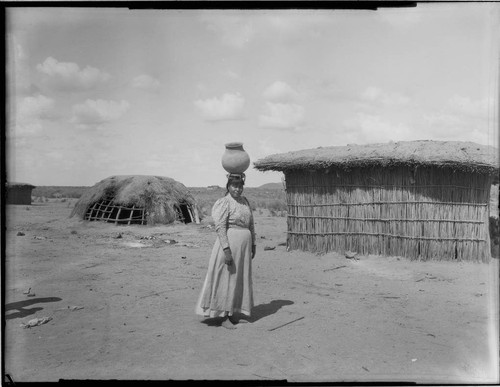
184,213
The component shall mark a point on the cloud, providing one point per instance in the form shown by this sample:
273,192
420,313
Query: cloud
266,147
146,82
96,112
38,106
233,75
365,128
377,95
26,127
443,120
313,88
68,76
463,118
228,107
325,89
282,116
237,29
475,108
445,126
30,113
234,30
280,92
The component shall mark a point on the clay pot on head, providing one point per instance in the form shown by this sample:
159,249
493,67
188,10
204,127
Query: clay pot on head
235,159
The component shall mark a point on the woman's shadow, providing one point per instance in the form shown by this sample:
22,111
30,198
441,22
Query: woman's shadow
258,312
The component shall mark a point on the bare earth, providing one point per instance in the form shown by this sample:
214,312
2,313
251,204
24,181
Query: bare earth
123,308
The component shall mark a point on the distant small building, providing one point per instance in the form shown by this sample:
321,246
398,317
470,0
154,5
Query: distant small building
19,193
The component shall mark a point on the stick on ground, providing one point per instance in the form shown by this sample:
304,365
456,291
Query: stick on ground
282,325
335,268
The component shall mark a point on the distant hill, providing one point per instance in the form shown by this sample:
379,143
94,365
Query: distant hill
272,186
59,191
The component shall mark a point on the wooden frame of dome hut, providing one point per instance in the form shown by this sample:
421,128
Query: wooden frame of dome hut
417,199
18,193
137,199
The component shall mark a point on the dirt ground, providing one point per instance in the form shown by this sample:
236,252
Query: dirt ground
121,301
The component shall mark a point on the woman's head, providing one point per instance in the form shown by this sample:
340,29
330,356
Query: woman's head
235,183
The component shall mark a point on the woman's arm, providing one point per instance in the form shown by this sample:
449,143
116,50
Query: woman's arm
251,227
220,214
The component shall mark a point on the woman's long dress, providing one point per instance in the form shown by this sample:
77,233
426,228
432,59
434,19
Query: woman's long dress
228,289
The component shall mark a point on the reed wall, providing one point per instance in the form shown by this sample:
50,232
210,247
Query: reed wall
426,213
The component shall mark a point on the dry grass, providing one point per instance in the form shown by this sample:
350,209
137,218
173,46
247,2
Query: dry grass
426,214
465,156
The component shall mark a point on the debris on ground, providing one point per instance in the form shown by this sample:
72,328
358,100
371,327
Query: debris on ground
186,244
28,293
351,255
335,268
134,244
282,325
119,236
269,247
72,307
40,238
427,276
282,244
170,241
36,321
20,233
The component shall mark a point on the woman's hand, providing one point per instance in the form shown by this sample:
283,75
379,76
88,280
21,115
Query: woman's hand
229,257
254,248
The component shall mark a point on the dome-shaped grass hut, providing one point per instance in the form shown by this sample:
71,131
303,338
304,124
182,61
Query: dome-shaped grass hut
137,200
418,199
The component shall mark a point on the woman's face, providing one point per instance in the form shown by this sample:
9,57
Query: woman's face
235,189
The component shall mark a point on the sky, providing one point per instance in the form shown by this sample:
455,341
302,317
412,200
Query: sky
97,92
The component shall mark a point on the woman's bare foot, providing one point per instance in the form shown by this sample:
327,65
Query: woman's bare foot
228,324
233,319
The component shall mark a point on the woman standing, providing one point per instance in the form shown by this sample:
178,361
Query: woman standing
228,284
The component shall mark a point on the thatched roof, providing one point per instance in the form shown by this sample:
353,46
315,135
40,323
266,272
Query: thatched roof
156,194
467,156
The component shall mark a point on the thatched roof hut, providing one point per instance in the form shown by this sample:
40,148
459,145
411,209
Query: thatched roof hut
137,200
418,199
18,193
